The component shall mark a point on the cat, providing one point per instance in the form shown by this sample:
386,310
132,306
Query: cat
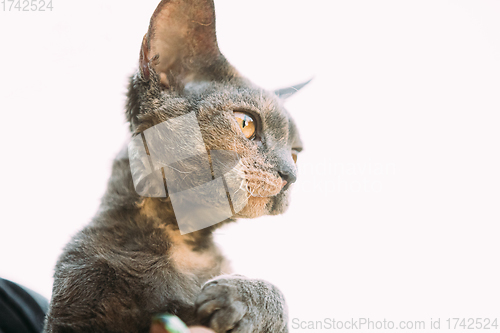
132,262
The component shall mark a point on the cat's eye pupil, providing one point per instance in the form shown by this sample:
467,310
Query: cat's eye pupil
247,124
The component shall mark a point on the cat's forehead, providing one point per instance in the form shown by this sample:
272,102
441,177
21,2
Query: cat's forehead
240,96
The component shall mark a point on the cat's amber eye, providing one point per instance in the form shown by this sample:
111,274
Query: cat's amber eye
247,124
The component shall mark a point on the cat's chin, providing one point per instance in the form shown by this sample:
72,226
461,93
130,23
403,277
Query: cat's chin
279,203
255,207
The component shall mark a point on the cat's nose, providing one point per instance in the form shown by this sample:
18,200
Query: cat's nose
289,177
286,167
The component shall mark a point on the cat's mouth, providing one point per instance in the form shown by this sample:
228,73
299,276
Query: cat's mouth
260,183
265,190
264,198
266,205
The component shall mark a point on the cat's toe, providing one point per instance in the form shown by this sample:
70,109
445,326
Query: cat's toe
218,307
245,325
227,318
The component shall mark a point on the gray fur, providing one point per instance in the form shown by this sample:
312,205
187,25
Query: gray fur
131,262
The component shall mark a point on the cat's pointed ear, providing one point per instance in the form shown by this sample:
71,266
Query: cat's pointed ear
180,41
284,93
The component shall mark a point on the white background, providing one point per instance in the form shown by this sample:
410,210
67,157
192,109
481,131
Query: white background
396,211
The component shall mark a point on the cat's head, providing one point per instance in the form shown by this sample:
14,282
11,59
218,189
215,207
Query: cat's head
181,70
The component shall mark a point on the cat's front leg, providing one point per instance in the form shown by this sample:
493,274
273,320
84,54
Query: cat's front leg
242,305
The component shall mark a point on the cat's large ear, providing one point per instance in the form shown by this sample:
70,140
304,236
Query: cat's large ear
284,93
181,41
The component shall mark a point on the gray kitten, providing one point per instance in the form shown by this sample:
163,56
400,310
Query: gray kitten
131,261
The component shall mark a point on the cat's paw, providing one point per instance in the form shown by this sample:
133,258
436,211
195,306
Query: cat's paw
220,307
240,305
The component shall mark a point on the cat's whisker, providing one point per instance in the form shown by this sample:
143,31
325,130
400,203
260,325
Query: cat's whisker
246,189
185,172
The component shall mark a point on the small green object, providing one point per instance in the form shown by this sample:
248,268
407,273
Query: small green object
172,323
